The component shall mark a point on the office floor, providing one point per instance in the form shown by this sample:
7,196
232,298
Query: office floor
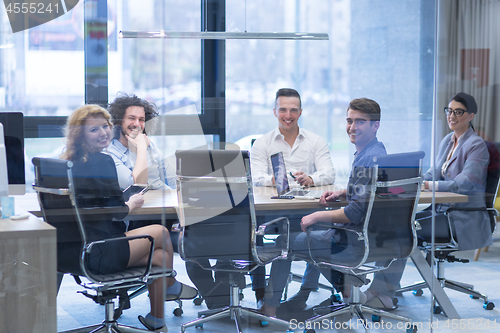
75,310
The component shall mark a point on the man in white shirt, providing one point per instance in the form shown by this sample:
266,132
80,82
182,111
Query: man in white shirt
306,156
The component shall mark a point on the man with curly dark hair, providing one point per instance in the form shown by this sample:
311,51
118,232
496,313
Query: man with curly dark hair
136,158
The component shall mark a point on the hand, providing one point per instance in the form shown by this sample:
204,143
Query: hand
329,196
135,201
140,140
309,220
303,179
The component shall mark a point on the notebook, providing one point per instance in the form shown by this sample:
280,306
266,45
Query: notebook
281,180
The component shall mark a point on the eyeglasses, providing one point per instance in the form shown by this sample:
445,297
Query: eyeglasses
457,112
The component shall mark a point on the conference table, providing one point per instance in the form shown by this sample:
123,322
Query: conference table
163,205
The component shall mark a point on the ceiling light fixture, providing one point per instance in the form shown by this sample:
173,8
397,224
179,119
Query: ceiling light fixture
223,35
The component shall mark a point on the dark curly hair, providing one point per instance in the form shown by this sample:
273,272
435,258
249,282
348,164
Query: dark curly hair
118,107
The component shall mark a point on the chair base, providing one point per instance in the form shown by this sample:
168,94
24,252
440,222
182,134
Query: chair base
358,309
108,328
450,284
445,283
234,311
110,325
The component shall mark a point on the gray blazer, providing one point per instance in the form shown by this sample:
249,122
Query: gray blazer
465,174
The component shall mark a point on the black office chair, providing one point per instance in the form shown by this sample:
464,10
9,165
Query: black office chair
67,208
491,191
388,232
218,222
445,246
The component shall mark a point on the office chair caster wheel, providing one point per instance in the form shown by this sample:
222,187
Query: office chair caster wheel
395,301
197,301
375,318
488,305
263,323
241,296
309,331
418,292
199,326
336,298
178,312
437,309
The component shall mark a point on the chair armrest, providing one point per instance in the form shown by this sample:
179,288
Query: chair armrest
261,229
473,209
281,224
324,225
113,210
88,249
466,209
176,227
312,258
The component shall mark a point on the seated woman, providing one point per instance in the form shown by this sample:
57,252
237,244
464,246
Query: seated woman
88,133
461,167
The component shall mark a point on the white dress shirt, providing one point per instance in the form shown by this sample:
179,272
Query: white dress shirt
309,154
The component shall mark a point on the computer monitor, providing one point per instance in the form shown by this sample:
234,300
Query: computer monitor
13,135
4,183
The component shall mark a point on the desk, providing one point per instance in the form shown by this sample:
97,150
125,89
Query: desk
28,288
163,204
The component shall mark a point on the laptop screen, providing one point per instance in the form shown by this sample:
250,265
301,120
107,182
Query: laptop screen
279,171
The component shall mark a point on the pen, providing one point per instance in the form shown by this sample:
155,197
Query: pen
291,174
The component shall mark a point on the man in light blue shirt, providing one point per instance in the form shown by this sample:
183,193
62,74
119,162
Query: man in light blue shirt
136,158
138,161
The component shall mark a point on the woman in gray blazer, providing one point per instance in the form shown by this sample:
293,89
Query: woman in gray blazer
461,167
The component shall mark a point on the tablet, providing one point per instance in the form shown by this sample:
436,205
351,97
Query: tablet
134,189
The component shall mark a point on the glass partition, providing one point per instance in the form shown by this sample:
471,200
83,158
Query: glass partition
411,57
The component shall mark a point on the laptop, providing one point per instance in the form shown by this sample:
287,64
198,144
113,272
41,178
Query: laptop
281,181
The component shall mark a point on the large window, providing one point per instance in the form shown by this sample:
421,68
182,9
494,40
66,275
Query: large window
168,71
373,51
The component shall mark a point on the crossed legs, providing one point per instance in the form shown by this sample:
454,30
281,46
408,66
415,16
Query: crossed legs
162,256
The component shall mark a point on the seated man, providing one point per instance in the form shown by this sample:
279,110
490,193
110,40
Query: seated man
363,121
306,154
137,159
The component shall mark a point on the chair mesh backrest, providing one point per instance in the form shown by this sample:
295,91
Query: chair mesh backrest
93,190
493,174
492,178
389,212
390,227
214,189
57,209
